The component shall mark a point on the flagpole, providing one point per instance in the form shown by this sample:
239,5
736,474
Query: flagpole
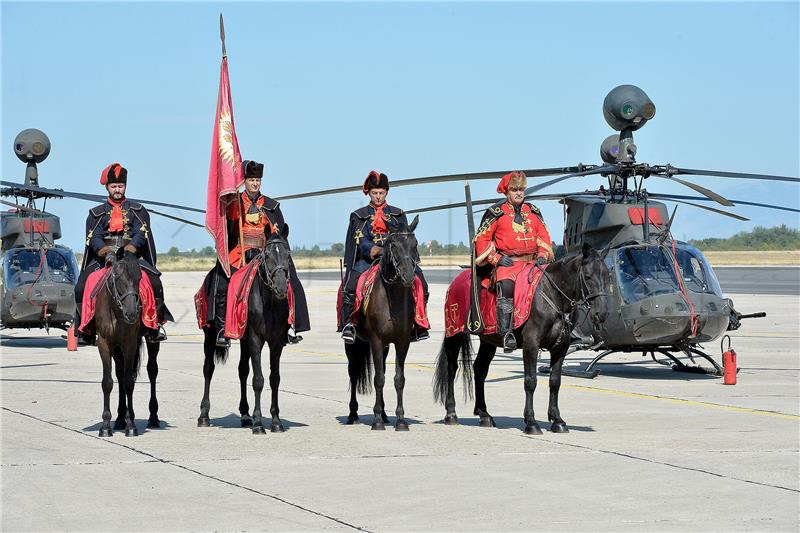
238,196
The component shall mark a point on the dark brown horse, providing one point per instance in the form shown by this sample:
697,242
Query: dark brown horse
267,322
574,282
388,318
120,336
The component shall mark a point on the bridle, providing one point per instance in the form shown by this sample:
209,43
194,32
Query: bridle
266,274
396,260
585,300
119,299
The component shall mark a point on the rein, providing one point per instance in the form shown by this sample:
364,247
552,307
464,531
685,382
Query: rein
267,275
396,261
119,299
585,299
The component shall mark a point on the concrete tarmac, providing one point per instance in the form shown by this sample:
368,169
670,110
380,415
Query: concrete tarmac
648,448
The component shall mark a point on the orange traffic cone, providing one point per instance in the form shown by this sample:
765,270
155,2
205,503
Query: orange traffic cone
72,340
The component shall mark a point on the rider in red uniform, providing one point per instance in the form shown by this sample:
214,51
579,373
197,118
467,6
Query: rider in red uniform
511,237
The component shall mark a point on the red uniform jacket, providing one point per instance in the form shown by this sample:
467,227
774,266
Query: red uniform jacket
254,225
499,235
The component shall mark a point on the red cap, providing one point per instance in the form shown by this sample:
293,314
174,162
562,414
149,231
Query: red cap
505,182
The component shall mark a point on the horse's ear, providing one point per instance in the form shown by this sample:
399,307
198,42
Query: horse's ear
588,253
414,223
285,232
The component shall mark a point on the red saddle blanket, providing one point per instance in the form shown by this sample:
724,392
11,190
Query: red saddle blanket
149,317
236,304
364,288
456,302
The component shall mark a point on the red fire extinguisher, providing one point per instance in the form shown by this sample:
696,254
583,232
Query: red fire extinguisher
728,362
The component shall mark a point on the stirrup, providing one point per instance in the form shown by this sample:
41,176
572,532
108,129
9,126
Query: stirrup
86,339
509,342
157,335
222,341
349,333
421,334
293,339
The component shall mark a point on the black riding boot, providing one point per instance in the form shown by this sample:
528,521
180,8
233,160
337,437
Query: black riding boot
505,315
349,330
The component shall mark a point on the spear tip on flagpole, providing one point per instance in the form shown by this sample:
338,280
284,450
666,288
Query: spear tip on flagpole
222,35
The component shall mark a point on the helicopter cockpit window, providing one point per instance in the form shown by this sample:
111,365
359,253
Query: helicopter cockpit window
645,271
697,274
61,267
21,267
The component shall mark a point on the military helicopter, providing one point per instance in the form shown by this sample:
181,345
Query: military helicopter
663,296
37,275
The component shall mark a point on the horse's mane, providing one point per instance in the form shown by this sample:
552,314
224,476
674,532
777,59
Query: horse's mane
129,265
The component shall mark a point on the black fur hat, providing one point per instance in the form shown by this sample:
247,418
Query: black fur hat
253,169
376,180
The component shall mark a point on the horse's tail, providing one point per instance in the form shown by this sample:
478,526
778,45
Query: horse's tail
448,355
360,356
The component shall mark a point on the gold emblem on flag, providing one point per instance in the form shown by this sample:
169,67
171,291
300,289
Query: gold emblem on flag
225,140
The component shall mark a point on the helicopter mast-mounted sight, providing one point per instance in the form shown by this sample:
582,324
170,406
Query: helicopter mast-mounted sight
31,146
626,109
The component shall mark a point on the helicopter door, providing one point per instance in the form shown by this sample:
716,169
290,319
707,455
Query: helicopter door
698,276
643,272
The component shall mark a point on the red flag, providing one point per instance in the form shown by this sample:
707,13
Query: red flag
225,174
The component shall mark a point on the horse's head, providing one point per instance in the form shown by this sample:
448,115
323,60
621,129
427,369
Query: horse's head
593,278
123,285
400,254
274,267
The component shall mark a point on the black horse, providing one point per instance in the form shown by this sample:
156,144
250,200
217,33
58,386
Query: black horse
388,317
120,336
267,322
574,282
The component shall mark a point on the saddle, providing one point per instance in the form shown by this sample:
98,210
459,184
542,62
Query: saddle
96,282
457,301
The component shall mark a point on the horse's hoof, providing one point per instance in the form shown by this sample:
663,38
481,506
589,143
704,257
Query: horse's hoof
120,424
401,425
487,422
451,420
131,432
559,427
533,429
154,423
378,426
259,430
247,422
105,432
277,428
203,422
353,420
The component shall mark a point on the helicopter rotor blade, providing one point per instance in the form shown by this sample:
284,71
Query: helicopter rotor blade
482,202
173,217
59,193
724,174
605,169
531,173
699,188
23,208
737,202
712,209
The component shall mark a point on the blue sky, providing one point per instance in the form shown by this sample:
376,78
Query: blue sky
324,92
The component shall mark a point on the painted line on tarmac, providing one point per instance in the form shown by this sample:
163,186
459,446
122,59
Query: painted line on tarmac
584,388
662,463
192,470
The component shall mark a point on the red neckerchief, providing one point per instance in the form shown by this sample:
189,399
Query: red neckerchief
116,225
378,223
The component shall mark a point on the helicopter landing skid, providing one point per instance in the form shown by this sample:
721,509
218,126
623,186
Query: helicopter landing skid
590,372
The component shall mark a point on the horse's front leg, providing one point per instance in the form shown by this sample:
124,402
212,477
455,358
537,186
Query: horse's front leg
379,361
107,384
130,354
557,356
254,346
152,374
354,363
275,350
208,372
244,372
486,353
122,407
401,349
530,354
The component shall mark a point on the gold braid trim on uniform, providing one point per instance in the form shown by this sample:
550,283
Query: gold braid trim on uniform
89,237
546,245
358,236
